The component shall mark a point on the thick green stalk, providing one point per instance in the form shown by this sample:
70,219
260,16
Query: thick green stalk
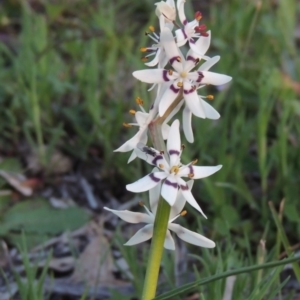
161,218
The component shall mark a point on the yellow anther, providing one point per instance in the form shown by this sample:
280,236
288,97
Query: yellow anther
127,125
139,101
174,169
144,59
162,152
183,213
178,58
191,175
132,112
170,72
179,84
151,28
194,161
210,97
143,49
161,166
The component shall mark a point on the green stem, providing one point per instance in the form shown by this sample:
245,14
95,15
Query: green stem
162,215
156,249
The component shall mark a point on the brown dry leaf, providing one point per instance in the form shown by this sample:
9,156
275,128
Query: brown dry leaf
95,264
18,181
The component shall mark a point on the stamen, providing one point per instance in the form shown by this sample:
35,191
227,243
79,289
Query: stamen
162,152
178,58
191,175
132,112
179,84
127,125
141,203
143,49
194,161
139,101
151,28
170,72
183,213
210,97
198,15
161,166
144,59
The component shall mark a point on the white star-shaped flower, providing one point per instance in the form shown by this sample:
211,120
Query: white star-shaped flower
146,232
171,171
183,76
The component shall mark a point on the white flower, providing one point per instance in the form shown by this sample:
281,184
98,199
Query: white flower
143,119
171,171
208,111
190,30
181,78
146,232
166,9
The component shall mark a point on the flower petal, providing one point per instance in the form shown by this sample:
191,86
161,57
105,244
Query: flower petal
172,51
210,112
179,204
167,99
187,194
132,157
209,63
169,242
181,14
154,195
153,75
146,183
187,124
202,172
192,101
131,217
169,189
214,78
130,144
191,237
142,235
174,143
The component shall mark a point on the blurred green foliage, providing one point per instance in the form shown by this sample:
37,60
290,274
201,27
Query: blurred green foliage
66,81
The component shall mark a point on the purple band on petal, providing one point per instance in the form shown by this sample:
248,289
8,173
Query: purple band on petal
184,187
172,184
174,58
155,179
156,158
174,152
165,75
191,169
185,22
192,41
192,58
200,77
188,91
184,34
174,89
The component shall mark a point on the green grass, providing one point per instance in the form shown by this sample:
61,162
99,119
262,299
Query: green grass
67,83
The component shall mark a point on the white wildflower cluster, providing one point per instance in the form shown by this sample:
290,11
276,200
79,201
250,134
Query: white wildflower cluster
177,76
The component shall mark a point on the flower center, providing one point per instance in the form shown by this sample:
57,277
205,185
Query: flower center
183,74
174,169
